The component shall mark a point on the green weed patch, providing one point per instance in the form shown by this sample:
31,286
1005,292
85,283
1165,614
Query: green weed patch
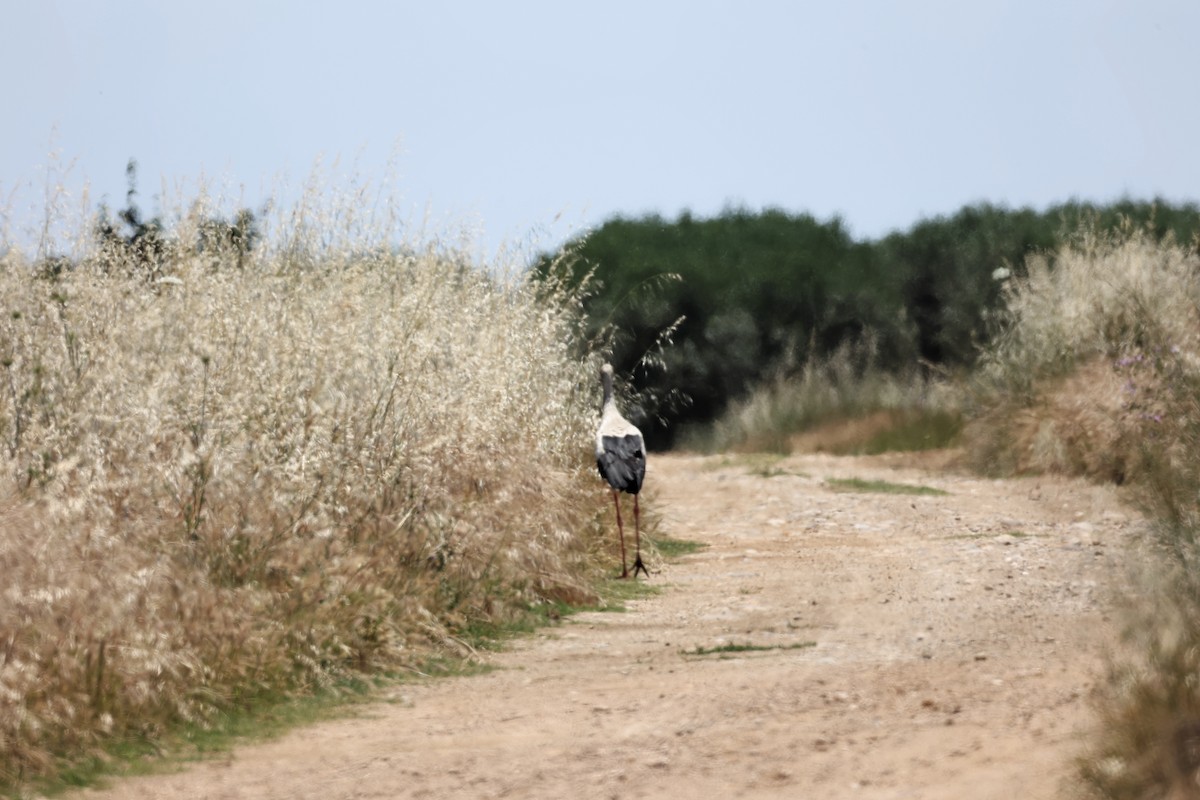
732,648
883,487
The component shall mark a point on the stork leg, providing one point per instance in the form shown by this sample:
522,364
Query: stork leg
621,532
638,564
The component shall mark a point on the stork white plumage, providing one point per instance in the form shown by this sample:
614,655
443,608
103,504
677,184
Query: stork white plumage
621,459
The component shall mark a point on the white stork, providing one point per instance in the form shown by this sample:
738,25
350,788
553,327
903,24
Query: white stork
621,459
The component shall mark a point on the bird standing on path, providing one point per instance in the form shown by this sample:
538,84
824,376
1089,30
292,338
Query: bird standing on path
621,459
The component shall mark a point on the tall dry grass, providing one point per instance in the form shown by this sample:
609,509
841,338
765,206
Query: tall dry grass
1107,294
1098,373
225,479
846,385
1095,339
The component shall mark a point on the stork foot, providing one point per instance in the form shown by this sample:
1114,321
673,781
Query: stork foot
638,564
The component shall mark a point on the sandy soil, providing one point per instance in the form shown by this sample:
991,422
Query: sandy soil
920,647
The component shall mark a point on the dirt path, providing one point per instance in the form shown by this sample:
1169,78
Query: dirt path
954,641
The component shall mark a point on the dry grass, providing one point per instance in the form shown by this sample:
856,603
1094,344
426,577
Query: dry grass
1099,374
221,483
1102,294
846,390
1072,424
1147,742
1091,374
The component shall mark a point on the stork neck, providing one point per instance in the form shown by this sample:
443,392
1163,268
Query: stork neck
606,381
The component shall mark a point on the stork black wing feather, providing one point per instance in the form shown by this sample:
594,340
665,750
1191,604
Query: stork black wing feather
623,462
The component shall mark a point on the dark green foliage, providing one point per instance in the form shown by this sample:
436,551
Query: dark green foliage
759,293
144,246
132,240
947,267
755,290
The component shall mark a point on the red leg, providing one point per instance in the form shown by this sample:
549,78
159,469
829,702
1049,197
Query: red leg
621,532
637,526
637,530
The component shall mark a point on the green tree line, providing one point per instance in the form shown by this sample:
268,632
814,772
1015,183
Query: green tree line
744,295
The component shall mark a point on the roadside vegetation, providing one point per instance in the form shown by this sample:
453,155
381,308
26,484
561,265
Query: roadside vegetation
777,319
253,455
254,459
1097,373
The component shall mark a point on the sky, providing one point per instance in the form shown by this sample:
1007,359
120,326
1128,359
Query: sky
531,122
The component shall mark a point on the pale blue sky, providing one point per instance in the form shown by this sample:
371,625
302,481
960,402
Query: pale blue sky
508,115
